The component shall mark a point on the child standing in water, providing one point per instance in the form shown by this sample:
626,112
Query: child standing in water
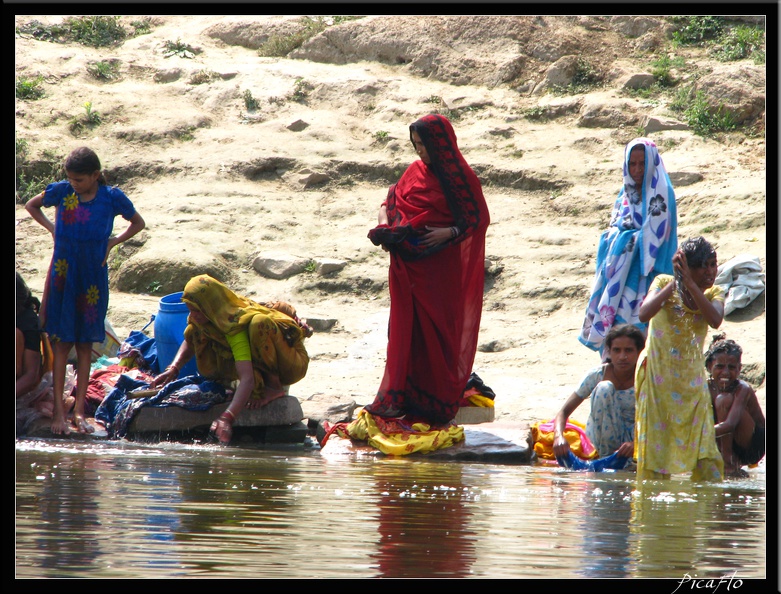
674,417
740,423
75,298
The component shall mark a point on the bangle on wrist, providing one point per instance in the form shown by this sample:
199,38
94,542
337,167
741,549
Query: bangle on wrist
232,416
172,366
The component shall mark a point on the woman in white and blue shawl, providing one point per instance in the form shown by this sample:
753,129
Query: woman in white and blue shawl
638,245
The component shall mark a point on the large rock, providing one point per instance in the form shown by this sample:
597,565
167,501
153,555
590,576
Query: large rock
280,412
739,88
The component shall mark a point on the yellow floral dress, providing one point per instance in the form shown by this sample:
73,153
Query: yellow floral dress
674,415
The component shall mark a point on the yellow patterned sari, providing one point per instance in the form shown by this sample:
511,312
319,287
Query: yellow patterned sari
275,335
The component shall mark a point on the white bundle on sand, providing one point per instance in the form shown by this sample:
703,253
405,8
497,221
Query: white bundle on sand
742,280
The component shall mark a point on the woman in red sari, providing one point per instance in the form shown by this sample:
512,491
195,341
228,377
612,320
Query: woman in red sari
433,223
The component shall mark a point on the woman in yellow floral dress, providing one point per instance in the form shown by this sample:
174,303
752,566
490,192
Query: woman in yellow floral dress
674,415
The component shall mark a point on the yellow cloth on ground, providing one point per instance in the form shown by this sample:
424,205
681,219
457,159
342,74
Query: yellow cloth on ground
399,441
480,400
574,433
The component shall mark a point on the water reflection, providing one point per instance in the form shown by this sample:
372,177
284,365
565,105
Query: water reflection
680,527
423,522
119,509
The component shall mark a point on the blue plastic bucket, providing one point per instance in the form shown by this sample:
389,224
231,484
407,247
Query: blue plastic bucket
170,322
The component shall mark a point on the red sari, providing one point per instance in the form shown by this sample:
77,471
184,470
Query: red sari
436,293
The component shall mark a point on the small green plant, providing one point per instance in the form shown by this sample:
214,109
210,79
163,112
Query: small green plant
381,136
186,135
177,48
583,80
311,266
301,89
104,70
250,102
29,88
91,116
90,119
154,287
436,99
96,31
537,112
696,30
142,26
706,121
202,76
279,46
739,43
32,178
660,69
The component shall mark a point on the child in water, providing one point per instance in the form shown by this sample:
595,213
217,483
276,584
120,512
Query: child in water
740,424
76,295
674,417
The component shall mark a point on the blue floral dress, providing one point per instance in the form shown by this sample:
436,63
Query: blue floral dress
77,284
611,421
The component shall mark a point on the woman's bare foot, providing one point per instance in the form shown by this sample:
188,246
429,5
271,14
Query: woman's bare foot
222,429
82,426
60,427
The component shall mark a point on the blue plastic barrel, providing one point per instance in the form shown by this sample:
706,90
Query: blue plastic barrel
170,322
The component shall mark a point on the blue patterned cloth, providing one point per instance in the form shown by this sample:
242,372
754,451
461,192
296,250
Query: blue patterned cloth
637,246
193,392
611,462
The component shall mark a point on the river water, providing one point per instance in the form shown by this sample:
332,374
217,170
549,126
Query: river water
120,509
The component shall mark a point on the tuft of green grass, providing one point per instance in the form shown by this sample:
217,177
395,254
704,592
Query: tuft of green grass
104,70
93,31
705,120
585,79
178,48
249,101
660,69
381,136
32,178
696,30
301,90
311,266
29,88
96,31
141,26
538,112
90,119
202,76
279,46
740,43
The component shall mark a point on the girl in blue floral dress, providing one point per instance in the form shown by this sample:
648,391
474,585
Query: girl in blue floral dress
75,298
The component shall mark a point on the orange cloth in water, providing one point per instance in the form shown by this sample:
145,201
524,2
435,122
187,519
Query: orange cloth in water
574,433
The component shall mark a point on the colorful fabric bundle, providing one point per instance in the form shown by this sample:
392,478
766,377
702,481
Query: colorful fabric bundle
574,433
395,436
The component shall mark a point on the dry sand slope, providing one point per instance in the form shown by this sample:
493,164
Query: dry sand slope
303,174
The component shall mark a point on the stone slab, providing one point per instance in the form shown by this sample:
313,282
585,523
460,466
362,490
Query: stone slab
282,411
498,442
472,415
